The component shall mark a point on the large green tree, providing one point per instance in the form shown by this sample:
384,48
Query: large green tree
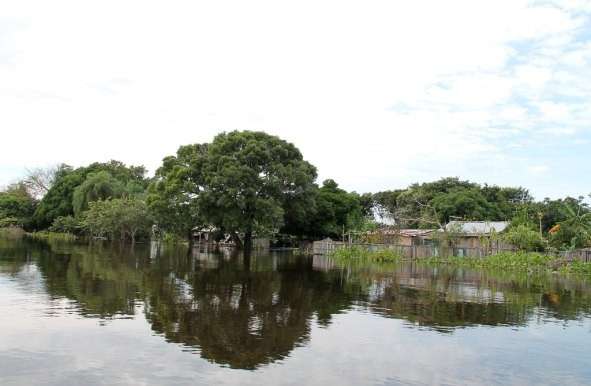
16,206
122,218
59,199
248,179
97,186
337,211
433,203
172,195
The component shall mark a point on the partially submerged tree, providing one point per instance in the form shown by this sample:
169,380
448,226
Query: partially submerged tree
60,197
97,186
16,206
172,196
122,218
247,180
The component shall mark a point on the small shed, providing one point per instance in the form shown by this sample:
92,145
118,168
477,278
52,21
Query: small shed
472,234
394,236
204,235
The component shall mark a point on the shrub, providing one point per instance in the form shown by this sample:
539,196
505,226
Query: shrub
66,224
359,253
524,238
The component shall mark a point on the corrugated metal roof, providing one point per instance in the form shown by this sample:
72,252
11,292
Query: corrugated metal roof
477,227
403,232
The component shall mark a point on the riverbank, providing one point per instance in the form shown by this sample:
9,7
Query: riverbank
509,261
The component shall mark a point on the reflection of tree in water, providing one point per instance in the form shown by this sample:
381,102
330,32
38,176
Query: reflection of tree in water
246,314
240,316
444,298
105,282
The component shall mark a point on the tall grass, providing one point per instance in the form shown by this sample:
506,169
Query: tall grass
355,253
526,262
505,260
52,236
11,232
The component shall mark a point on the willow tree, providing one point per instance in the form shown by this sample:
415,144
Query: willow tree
248,179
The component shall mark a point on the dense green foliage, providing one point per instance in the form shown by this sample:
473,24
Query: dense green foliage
97,186
524,238
335,211
363,255
106,180
436,203
172,196
122,218
247,180
16,206
67,224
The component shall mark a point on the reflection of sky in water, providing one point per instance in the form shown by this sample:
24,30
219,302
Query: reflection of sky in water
51,340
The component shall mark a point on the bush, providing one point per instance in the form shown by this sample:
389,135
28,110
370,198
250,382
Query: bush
524,238
66,224
359,253
570,237
9,222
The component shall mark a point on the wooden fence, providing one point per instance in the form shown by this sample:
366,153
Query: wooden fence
324,247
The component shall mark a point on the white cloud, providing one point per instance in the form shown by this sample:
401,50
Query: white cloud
376,94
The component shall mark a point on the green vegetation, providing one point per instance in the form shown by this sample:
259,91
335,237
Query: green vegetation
172,195
122,218
560,224
51,236
506,261
11,232
16,206
517,261
358,254
524,238
248,177
247,183
433,203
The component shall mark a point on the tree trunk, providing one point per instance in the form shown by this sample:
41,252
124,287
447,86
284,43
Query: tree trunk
237,240
248,241
190,237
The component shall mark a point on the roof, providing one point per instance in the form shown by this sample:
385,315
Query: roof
208,228
477,227
403,232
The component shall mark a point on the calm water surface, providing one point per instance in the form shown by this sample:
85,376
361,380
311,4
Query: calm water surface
111,315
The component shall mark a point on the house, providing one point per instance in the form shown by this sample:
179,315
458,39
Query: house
204,235
477,234
212,235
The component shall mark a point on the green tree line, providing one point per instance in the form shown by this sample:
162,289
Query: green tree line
248,183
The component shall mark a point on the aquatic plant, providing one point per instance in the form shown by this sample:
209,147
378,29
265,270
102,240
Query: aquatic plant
356,253
517,261
11,232
52,236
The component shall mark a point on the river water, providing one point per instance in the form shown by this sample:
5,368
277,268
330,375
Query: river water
74,314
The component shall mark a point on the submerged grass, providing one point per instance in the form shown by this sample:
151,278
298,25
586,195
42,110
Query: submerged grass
355,253
11,232
505,262
52,236
518,261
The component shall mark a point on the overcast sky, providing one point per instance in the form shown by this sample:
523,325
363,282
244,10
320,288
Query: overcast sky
376,94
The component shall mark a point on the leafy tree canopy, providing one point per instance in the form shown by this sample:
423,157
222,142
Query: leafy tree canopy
172,196
59,199
248,178
16,206
433,203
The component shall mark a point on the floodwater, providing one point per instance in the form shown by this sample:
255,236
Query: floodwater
110,315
